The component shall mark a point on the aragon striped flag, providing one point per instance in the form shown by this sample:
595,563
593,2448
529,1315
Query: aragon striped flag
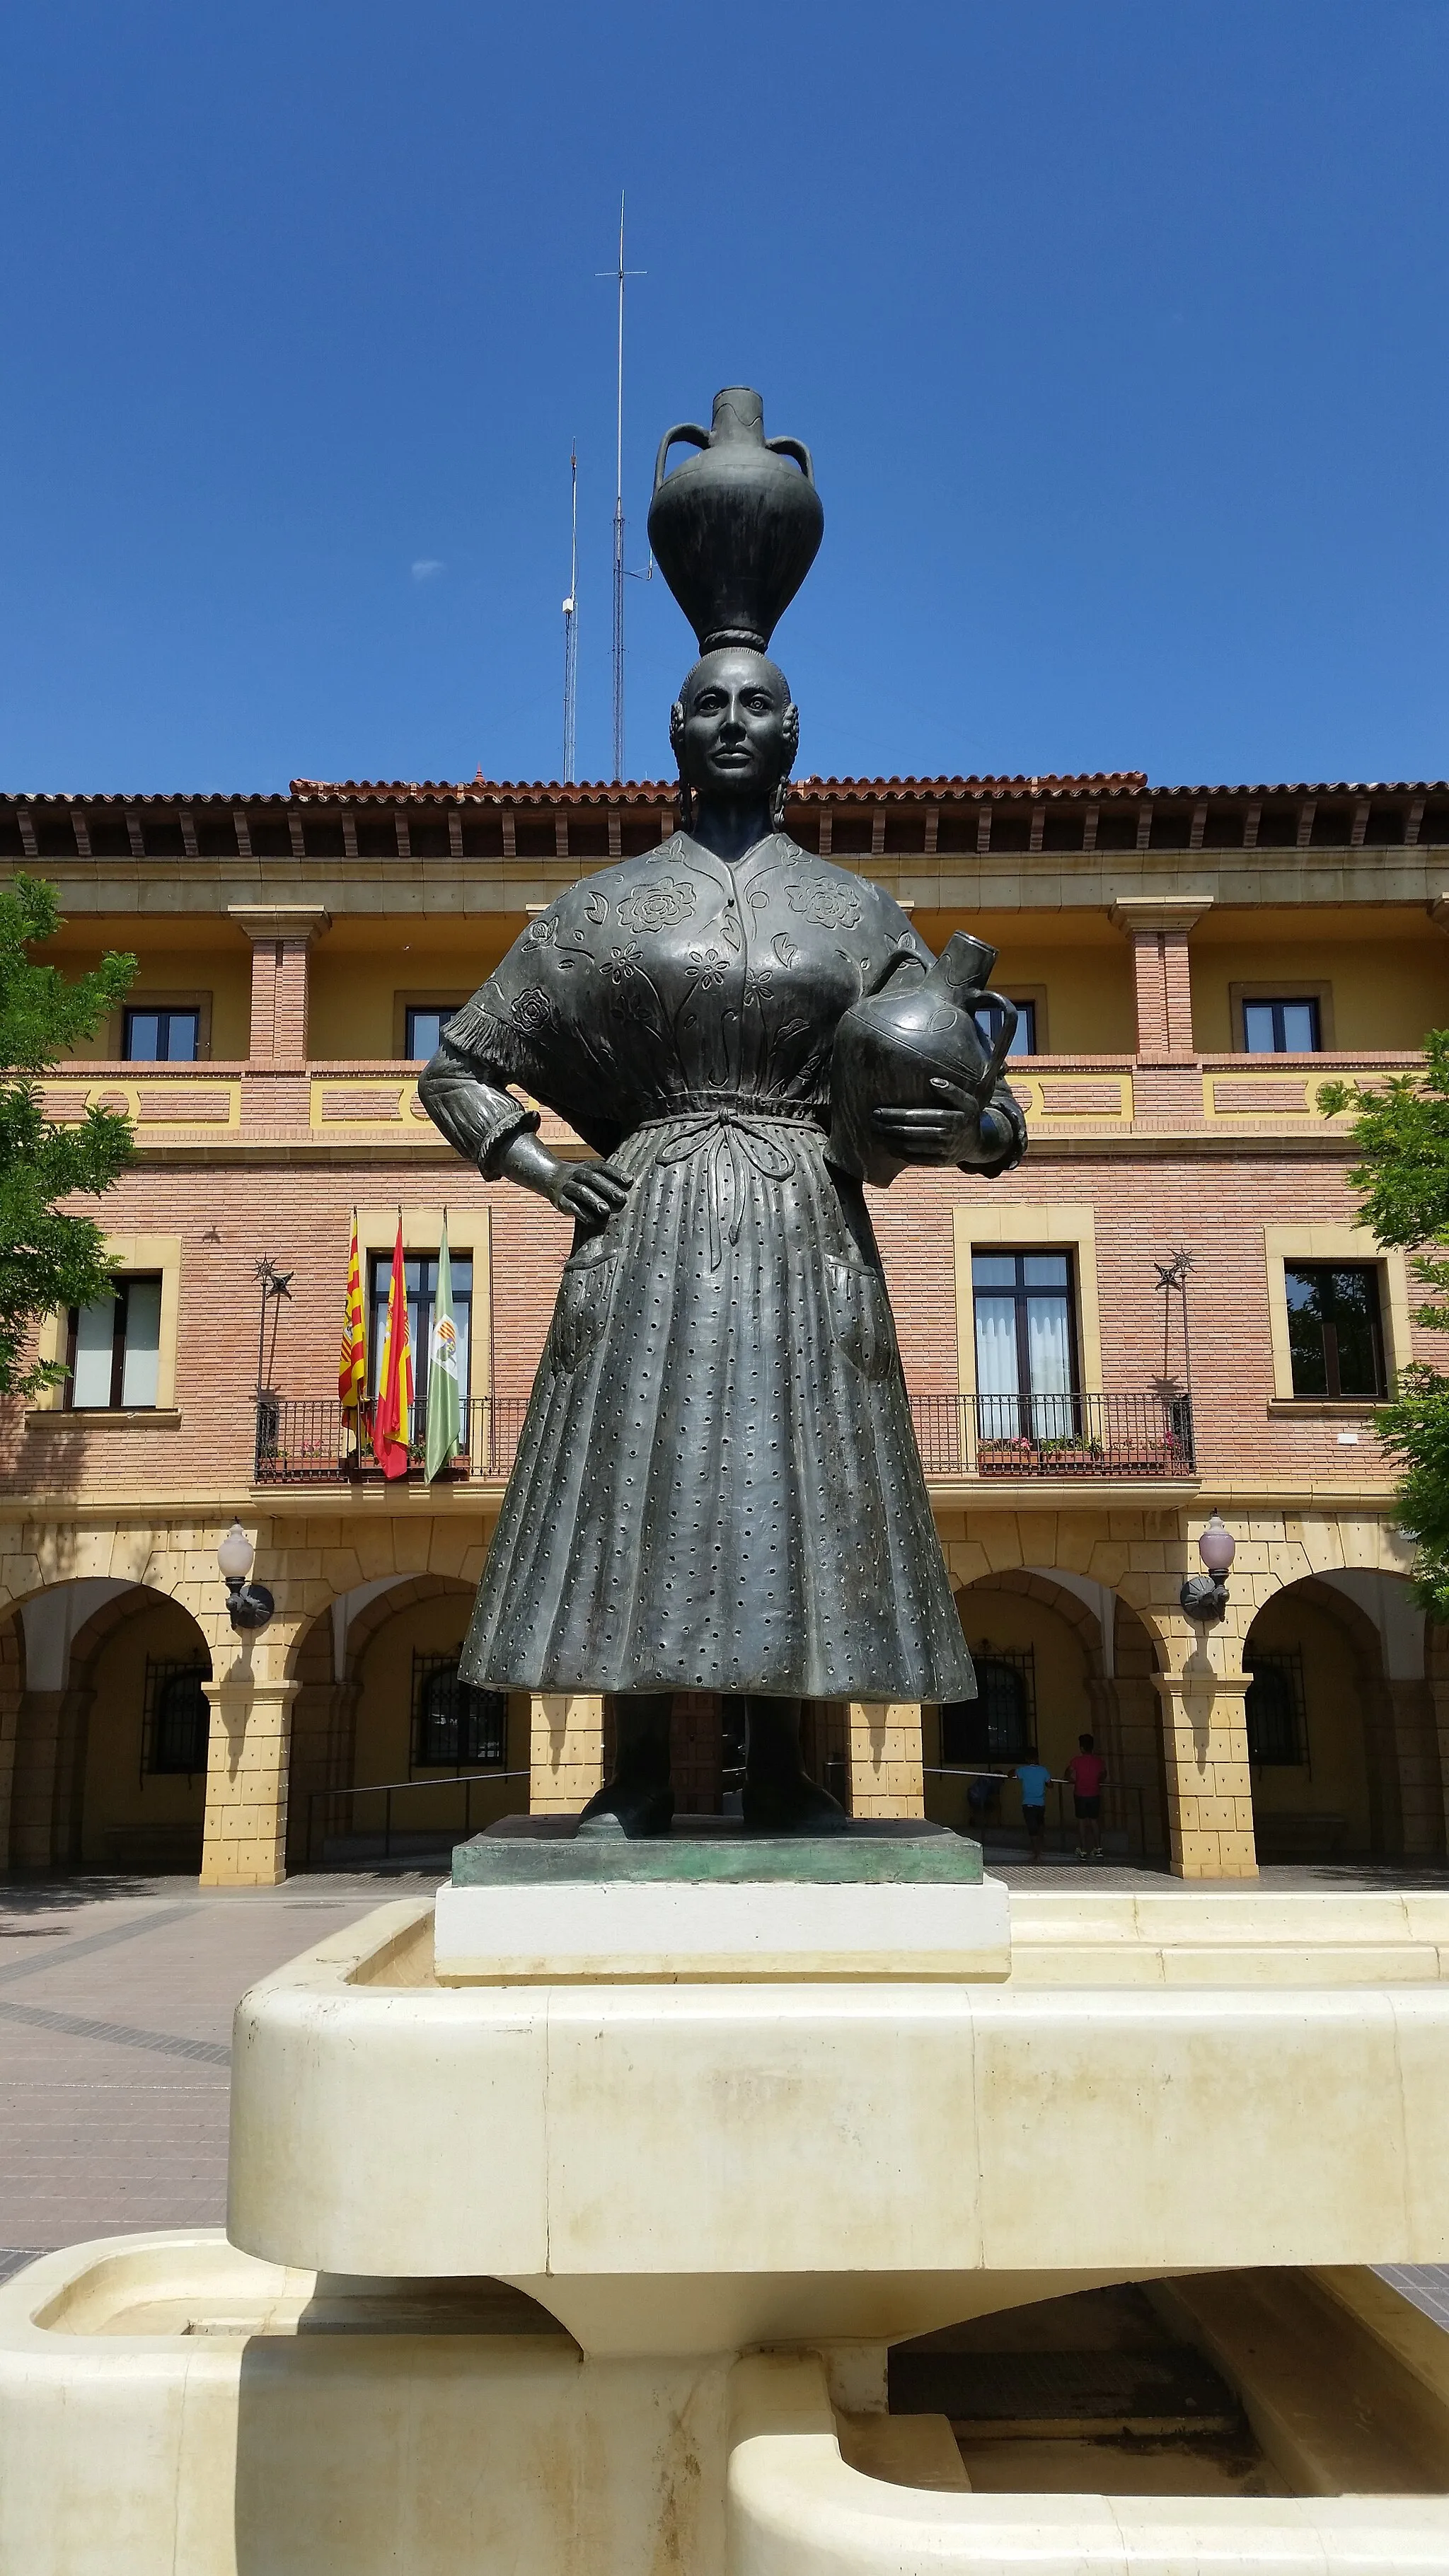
352,1366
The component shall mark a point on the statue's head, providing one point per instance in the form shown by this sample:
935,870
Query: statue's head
734,727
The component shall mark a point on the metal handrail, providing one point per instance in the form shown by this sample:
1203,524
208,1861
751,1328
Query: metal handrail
1118,1791
1142,1436
388,1789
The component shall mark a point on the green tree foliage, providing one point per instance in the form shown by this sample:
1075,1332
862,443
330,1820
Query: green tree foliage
1401,1136
48,1259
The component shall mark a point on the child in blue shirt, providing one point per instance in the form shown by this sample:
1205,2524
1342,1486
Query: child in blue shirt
1032,1777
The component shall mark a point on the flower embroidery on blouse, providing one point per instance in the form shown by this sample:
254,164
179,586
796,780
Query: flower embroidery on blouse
543,932
656,907
624,963
534,1010
834,907
709,966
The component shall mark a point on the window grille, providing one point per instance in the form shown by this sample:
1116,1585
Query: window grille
999,1724
1275,1710
454,1727
175,1717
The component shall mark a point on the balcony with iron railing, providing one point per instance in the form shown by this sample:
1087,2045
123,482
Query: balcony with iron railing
1143,1438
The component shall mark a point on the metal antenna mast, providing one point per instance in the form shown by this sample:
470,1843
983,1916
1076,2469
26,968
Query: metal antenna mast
619,274
571,622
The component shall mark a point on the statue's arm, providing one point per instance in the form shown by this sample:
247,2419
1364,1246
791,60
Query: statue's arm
467,1098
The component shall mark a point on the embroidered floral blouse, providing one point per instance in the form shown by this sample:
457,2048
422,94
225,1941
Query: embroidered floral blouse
670,985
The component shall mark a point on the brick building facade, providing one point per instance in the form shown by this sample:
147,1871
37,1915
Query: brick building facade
1188,963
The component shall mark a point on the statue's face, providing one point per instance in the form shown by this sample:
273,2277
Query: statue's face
734,729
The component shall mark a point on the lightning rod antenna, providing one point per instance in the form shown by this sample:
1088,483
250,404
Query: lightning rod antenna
571,627
619,274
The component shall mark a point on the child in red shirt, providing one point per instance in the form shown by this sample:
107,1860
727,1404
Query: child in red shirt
1087,1772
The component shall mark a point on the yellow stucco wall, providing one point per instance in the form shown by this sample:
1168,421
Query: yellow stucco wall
176,957
1389,983
1083,967
361,969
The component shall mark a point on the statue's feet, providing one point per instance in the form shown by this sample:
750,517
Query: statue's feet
791,1804
638,1809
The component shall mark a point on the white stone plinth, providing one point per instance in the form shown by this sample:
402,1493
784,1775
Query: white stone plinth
682,1932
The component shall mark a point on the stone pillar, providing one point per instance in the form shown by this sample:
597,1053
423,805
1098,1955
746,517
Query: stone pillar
1411,1729
566,1751
1209,1785
1436,1674
12,1673
281,935
43,1787
885,1758
1168,1081
245,1842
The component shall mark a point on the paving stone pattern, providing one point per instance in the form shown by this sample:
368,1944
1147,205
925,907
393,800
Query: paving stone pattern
115,2030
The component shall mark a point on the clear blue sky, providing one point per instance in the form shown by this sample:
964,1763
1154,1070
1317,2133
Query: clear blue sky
1117,328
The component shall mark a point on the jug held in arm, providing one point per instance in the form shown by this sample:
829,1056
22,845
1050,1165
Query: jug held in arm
913,1080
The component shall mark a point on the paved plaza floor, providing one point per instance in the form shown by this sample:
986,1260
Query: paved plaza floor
116,1999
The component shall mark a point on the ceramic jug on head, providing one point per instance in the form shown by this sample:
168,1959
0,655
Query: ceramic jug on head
893,1044
735,529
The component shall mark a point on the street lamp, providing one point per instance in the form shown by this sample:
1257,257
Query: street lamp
249,1605
1204,1597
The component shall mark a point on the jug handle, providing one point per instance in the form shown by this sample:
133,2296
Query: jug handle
794,447
686,431
1002,1041
898,958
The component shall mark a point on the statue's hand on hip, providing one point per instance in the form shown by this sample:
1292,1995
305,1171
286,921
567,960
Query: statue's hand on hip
590,1192
961,1130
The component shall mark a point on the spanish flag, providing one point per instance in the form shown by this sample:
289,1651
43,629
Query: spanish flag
352,1366
392,1422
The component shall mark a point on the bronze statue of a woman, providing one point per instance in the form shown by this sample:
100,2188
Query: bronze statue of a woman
717,1485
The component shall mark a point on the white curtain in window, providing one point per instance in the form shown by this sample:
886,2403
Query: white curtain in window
996,1370
95,1331
1049,1358
140,1368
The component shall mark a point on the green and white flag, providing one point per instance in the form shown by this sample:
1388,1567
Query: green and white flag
445,1410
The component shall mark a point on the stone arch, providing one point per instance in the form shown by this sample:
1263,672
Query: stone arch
1122,1651
1369,1778
351,1722
1030,1584
1139,1556
1022,1612
88,1790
